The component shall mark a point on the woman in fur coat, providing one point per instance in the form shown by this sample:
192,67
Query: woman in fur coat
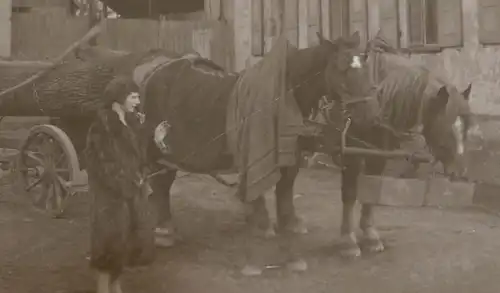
122,229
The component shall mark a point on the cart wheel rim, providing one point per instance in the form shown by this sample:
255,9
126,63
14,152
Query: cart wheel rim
44,172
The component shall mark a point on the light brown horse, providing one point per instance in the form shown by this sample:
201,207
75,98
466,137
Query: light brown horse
408,97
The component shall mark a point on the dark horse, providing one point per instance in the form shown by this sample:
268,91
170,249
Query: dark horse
408,97
204,107
335,69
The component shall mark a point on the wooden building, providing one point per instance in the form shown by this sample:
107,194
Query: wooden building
456,37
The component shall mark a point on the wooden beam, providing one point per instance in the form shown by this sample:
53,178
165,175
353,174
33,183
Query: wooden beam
257,13
423,158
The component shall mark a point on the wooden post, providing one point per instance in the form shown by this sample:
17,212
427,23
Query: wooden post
403,24
5,28
303,24
93,20
105,8
257,13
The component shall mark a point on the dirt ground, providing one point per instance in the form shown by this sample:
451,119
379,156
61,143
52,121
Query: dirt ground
428,250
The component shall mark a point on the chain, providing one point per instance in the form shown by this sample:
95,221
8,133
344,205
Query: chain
37,100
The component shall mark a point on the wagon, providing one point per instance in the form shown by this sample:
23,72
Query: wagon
48,167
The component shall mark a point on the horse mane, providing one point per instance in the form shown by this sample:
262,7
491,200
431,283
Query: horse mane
403,85
402,97
200,61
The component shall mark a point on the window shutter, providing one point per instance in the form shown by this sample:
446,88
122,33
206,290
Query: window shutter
416,22
257,12
489,21
449,14
212,8
389,24
324,10
339,18
358,19
335,19
313,21
6,33
292,21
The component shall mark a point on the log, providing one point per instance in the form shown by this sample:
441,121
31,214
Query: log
97,53
71,91
90,34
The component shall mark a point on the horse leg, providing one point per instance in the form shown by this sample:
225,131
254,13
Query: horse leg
288,221
349,244
257,217
103,282
165,231
371,239
116,286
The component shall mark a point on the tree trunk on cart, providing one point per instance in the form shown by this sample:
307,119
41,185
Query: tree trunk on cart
71,90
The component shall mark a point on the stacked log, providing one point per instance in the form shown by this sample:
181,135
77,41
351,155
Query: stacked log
69,90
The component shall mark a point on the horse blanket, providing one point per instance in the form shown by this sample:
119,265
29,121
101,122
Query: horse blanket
263,123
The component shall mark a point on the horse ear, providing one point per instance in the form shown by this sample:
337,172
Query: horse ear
440,101
355,39
321,39
466,92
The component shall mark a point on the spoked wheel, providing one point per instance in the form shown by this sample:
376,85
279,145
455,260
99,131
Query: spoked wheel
47,166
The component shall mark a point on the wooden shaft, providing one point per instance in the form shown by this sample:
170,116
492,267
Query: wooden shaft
423,158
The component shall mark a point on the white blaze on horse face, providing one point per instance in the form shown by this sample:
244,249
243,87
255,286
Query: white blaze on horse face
161,131
356,62
458,131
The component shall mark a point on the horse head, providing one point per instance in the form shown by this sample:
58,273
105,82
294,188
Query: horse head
346,73
335,68
446,114
447,122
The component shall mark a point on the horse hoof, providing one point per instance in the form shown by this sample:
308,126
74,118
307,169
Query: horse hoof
373,245
299,265
165,242
350,253
296,226
266,233
270,233
349,247
371,241
251,271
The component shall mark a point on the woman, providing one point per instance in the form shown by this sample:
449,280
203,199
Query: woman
122,231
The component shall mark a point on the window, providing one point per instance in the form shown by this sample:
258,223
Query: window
389,22
489,21
434,24
423,25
